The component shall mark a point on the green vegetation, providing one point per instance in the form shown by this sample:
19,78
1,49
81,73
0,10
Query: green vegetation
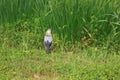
86,39
37,65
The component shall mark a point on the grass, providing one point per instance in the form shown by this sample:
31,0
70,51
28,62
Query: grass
70,20
86,36
37,65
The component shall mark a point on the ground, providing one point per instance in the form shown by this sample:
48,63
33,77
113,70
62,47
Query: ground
37,65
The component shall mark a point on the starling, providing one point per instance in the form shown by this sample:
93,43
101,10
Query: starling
48,40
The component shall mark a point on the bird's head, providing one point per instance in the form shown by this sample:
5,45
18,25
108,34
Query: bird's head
48,32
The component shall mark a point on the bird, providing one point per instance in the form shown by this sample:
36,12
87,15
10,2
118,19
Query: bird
48,40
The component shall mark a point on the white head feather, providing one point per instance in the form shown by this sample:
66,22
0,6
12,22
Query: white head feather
48,32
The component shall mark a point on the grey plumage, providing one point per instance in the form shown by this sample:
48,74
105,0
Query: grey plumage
48,40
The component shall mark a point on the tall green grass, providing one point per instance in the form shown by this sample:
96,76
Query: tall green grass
91,22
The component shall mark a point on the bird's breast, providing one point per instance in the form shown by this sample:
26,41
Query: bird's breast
48,38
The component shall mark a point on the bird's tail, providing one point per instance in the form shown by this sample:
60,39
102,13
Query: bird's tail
48,50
